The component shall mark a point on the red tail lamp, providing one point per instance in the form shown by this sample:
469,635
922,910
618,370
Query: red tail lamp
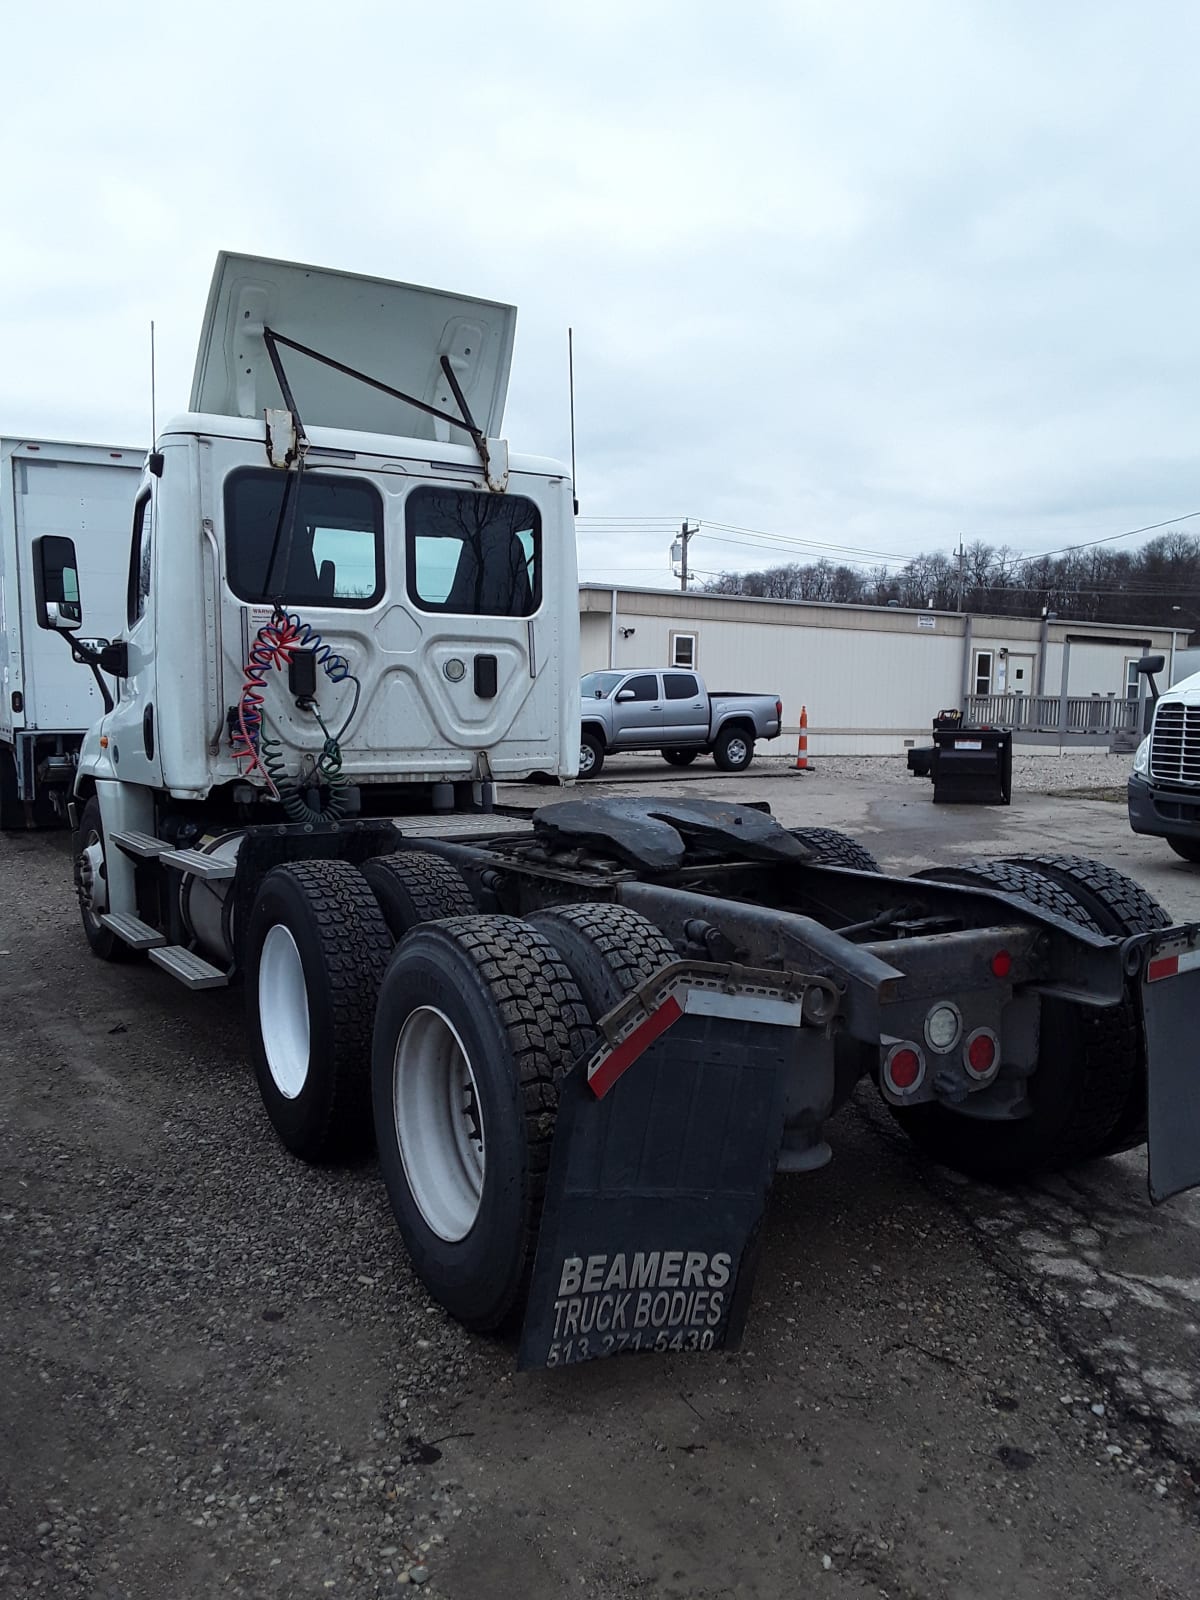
904,1068
981,1054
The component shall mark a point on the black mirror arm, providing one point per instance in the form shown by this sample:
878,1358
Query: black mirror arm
88,655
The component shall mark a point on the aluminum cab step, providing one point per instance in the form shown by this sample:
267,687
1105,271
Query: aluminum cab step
139,844
192,970
138,935
198,863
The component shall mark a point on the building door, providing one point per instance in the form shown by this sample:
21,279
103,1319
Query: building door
1019,678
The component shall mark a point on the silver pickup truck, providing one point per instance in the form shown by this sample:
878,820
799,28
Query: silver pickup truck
671,710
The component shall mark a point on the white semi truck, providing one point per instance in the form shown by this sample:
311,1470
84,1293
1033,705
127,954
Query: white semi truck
83,493
584,1041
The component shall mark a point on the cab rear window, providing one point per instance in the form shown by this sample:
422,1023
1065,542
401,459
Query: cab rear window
304,538
473,554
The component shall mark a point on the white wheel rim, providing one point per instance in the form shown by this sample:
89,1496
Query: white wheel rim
439,1123
283,1011
587,758
736,751
98,890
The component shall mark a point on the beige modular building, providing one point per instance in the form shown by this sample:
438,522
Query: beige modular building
873,677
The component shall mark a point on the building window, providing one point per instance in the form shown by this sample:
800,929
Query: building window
1133,679
983,672
683,650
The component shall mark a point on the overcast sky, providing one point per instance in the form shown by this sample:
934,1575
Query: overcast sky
869,275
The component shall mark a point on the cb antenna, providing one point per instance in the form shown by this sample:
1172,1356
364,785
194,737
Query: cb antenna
153,407
571,385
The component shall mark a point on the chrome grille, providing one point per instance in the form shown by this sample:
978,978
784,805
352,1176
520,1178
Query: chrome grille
1175,743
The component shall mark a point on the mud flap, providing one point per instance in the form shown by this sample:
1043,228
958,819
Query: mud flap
658,1180
1170,994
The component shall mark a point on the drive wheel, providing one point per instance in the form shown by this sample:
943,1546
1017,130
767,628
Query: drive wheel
91,886
833,849
1089,1070
734,749
610,950
316,950
679,758
415,886
478,1020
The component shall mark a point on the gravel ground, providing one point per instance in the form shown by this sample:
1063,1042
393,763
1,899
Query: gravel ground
221,1377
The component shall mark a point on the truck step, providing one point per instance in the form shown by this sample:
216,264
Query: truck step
191,969
139,844
198,864
137,935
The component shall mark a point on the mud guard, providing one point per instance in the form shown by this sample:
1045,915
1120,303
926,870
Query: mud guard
664,1151
1170,1003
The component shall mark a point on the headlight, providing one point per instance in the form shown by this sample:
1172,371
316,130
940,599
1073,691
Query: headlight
1141,760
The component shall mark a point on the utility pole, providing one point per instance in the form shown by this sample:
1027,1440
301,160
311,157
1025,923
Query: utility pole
679,551
962,572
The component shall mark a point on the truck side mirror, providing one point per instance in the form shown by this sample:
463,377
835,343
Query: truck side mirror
57,604
1149,665
625,695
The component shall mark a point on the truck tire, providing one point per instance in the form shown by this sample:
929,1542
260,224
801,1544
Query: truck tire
415,886
89,838
478,1020
591,755
610,950
316,951
679,758
12,811
734,748
1119,907
834,849
1189,849
1088,1068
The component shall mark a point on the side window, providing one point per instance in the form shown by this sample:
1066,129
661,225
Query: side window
139,560
680,686
683,650
644,688
983,672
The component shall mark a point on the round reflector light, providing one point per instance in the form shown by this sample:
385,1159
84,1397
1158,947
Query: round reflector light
1001,964
982,1053
943,1027
903,1068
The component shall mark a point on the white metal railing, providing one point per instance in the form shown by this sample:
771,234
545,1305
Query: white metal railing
1046,713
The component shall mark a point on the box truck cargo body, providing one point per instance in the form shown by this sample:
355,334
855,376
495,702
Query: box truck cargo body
84,493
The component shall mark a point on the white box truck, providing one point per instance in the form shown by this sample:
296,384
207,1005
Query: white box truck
84,493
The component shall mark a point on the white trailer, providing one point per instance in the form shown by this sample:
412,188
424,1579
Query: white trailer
85,493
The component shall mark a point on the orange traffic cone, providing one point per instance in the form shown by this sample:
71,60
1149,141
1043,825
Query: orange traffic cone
802,743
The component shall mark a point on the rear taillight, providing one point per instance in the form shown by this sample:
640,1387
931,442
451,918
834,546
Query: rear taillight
1001,964
904,1068
779,709
981,1054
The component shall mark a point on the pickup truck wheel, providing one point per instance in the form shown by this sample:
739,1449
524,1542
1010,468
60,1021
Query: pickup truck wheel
316,950
591,756
734,749
679,758
478,1020
415,886
91,886
1088,1067
610,950
1189,849
833,849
